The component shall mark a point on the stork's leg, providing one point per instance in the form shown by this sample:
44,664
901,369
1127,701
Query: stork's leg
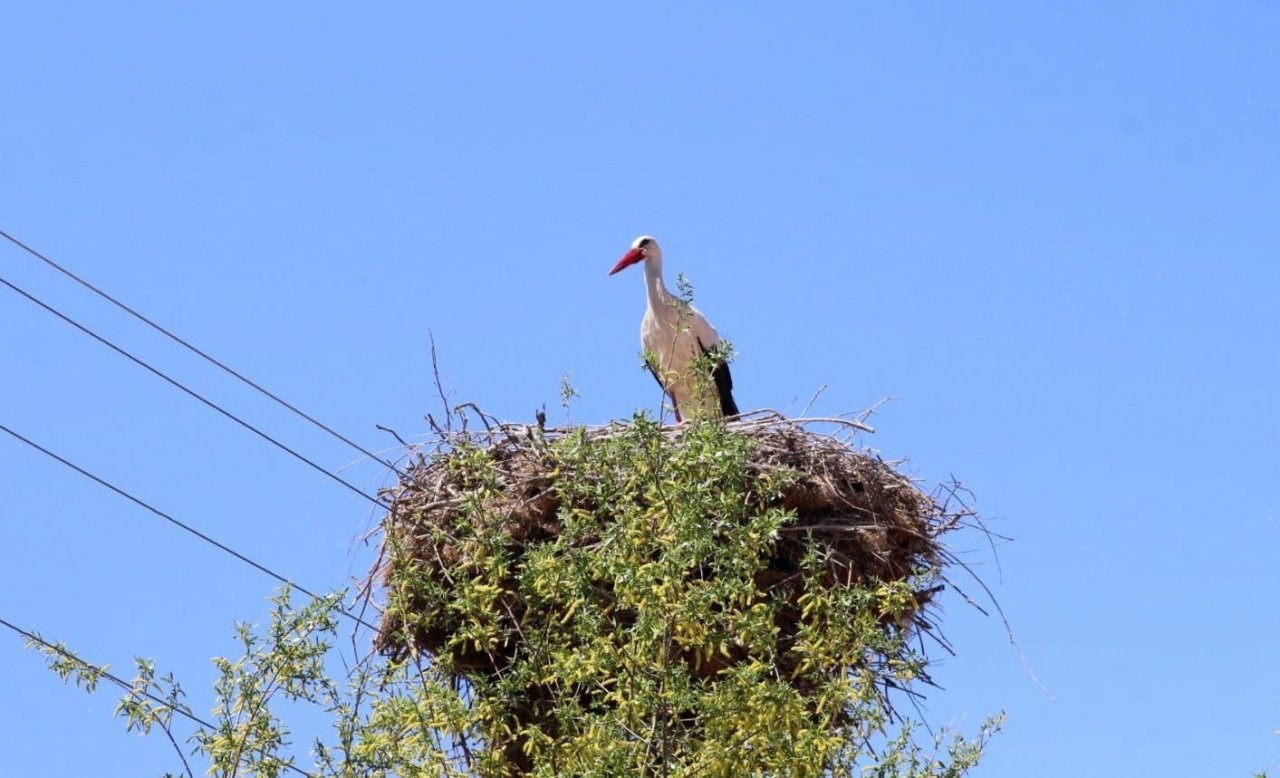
654,372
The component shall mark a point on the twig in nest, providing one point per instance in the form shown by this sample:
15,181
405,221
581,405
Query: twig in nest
813,399
393,434
435,372
875,407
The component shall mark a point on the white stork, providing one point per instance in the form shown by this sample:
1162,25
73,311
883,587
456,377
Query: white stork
673,334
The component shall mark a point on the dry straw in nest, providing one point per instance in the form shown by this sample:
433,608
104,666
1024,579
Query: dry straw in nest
869,523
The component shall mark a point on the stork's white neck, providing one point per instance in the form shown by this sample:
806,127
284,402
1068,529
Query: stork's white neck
659,297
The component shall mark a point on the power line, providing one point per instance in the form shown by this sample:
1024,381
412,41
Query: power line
226,368
181,525
192,393
102,672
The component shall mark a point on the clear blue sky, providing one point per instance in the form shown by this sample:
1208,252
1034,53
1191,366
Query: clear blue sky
1050,229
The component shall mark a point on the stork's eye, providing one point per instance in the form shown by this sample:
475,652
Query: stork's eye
645,242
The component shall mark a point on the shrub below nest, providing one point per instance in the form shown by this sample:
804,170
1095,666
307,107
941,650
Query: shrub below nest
728,596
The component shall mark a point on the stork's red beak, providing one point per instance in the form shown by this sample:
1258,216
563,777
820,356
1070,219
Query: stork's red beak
630,258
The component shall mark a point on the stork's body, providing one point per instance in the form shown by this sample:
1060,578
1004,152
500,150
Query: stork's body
674,334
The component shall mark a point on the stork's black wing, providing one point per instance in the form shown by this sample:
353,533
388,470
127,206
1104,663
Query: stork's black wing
653,371
724,387
724,383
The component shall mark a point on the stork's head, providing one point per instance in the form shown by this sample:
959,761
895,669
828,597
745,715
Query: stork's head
642,248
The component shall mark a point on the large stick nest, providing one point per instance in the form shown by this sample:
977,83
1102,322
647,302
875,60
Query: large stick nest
870,522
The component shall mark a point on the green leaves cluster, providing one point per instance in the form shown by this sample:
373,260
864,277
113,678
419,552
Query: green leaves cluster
646,638
641,639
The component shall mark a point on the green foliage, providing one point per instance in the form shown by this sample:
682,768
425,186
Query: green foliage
639,638
567,394
638,641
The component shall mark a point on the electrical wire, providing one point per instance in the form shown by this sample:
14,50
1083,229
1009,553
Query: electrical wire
202,354
191,392
181,525
102,672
